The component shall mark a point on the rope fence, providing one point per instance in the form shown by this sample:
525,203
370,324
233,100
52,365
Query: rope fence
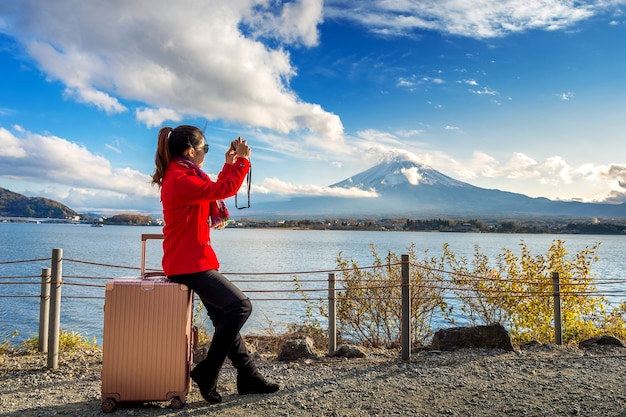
470,278
51,281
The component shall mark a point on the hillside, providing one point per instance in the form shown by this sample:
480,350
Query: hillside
17,205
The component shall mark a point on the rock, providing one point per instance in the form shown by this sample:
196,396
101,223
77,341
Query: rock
297,348
493,336
602,340
347,351
533,344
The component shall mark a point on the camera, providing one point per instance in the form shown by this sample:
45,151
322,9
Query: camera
233,144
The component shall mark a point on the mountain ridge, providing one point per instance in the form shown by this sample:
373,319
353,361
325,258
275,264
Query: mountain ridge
13,204
396,188
406,188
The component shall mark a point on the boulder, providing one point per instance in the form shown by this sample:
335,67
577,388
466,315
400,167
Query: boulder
347,351
602,340
493,336
300,347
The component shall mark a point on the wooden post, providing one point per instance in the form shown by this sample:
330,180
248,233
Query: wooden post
44,310
556,292
55,309
332,315
406,310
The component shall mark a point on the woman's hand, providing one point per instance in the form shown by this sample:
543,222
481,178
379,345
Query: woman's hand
238,148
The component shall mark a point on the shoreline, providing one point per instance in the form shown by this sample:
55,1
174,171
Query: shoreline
532,226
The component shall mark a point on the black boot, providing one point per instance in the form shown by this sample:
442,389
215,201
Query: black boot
249,379
254,383
206,379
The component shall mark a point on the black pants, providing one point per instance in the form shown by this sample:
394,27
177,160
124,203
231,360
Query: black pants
228,309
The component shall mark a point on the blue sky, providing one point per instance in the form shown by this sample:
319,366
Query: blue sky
527,96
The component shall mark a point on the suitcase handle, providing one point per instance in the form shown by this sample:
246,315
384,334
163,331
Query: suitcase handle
144,238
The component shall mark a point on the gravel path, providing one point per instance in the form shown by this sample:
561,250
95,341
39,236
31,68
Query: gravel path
541,381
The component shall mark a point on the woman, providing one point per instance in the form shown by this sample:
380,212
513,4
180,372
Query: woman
190,201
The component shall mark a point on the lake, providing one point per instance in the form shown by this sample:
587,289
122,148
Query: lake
262,262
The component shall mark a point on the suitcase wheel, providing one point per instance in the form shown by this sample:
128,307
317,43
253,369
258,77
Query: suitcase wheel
108,405
177,403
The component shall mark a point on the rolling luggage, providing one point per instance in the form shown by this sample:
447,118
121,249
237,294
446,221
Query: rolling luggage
148,341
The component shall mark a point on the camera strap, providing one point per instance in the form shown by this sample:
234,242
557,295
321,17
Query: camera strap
248,184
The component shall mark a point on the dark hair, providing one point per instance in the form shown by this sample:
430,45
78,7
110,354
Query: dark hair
173,143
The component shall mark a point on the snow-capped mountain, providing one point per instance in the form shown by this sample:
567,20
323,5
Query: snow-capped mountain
406,188
399,172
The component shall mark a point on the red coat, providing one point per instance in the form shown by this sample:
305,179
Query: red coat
185,197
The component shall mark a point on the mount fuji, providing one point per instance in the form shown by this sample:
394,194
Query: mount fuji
400,187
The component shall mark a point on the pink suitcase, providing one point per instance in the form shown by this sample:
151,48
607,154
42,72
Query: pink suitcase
148,341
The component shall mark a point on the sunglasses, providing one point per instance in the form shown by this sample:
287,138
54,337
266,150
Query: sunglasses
205,148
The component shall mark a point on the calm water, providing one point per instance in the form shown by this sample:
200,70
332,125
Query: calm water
275,255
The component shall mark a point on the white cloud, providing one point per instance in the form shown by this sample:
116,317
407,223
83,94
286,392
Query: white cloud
101,201
378,137
99,99
414,81
614,174
156,117
548,177
412,175
565,96
522,166
318,147
77,172
376,146
115,149
296,22
10,146
557,171
484,91
477,19
481,165
190,57
409,133
276,186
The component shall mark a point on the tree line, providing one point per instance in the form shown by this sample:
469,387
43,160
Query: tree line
582,226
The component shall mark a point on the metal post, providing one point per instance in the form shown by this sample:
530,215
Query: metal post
55,308
332,315
556,290
44,310
406,309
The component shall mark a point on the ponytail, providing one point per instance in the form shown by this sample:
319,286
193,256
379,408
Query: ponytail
162,158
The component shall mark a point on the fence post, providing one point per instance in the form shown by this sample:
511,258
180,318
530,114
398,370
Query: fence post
406,309
44,310
55,308
556,291
332,315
